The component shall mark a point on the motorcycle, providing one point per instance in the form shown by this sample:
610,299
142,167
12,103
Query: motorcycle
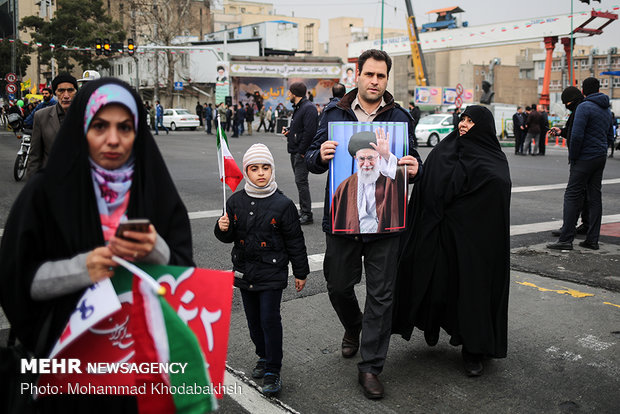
21,162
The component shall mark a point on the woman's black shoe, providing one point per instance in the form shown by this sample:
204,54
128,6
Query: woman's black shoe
472,363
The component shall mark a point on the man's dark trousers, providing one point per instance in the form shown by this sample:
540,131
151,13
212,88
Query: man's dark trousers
584,175
342,267
301,179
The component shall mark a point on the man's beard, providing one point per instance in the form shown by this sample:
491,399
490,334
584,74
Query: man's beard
368,176
47,98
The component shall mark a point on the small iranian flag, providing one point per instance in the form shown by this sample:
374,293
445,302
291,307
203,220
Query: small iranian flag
229,171
169,340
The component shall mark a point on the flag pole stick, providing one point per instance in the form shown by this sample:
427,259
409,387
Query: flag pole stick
220,137
141,274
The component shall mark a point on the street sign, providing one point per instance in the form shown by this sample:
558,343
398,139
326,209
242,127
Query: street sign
10,77
458,102
11,96
178,86
11,88
459,90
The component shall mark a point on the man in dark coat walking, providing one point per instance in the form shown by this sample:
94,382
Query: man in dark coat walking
518,128
342,265
591,133
299,137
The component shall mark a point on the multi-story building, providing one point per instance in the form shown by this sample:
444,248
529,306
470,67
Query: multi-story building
243,13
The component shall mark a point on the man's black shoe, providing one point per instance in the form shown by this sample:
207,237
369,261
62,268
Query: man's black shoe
373,389
589,245
581,229
350,344
259,369
560,246
306,219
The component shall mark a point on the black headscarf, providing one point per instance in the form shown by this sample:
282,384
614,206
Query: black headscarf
454,267
56,217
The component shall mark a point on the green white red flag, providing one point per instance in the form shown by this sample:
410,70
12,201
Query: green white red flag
229,171
186,327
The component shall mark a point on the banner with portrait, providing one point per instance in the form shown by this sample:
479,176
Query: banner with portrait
222,83
368,190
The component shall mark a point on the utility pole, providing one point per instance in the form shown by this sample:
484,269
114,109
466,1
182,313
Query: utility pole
155,32
15,38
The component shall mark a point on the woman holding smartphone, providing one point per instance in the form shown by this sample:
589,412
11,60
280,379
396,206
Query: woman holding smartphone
59,239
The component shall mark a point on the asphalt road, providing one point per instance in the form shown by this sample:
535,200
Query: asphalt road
563,346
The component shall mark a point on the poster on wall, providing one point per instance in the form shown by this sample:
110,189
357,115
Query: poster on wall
348,77
273,91
428,95
222,84
368,190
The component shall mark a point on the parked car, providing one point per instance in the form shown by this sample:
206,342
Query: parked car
180,118
433,128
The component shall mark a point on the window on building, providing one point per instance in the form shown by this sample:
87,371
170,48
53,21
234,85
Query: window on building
119,69
231,35
584,63
112,70
605,83
243,10
254,31
121,11
541,65
616,81
309,37
185,60
129,68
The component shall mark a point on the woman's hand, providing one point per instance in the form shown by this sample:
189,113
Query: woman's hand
412,165
140,245
223,222
99,264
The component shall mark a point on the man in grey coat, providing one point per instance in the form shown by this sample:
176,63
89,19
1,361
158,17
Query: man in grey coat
47,122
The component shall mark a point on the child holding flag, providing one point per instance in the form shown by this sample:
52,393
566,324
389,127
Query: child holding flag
264,225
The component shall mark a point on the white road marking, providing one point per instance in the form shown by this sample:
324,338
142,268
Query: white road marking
250,398
555,186
592,342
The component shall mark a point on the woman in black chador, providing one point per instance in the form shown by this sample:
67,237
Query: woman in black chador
454,268
60,235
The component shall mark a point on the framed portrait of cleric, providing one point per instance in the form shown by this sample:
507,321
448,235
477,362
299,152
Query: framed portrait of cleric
368,189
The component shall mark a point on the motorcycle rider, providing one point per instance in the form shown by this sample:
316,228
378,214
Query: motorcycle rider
47,122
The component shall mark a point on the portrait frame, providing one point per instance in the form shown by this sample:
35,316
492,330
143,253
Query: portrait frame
343,166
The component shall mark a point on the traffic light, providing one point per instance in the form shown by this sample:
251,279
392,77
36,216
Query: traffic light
98,50
106,47
130,47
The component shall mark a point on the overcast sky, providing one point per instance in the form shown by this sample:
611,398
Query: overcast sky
477,12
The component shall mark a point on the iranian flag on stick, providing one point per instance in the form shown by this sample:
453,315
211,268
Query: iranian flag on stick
229,171
163,337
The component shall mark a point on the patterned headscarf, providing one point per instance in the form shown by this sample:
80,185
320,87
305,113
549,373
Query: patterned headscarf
105,95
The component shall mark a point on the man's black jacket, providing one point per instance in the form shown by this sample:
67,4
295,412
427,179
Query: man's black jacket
303,127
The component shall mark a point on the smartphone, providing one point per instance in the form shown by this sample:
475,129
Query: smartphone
139,225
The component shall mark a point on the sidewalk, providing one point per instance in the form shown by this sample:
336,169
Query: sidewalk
563,356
